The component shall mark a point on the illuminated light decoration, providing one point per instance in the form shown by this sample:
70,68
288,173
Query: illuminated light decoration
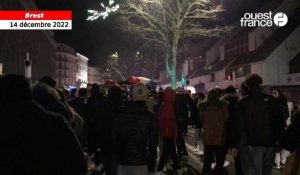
95,14
182,80
229,77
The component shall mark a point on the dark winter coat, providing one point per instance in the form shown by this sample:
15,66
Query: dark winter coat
260,118
135,136
96,105
36,142
181,108
283,106
194,113
291,137
103,123
80,107
232,100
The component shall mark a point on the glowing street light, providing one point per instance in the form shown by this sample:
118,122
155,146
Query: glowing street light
115,55
95,14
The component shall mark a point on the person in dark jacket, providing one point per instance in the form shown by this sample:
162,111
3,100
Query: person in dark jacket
95,102
260,119
291,137
104,122
79,103
230,95
33,140
95,105
194,119
135,135
214,116
159,101
291,141
283,104
181,113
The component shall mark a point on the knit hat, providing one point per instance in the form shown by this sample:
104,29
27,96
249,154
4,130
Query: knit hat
139,92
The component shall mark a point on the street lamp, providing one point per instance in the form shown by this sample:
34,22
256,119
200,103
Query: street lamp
27,65
115,55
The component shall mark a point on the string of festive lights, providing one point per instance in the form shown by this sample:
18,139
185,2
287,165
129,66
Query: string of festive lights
95,14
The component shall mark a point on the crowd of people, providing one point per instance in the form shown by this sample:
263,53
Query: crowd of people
48,130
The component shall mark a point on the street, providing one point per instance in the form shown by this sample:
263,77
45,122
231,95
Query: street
196,162
193,164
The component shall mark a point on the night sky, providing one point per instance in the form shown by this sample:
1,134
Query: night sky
99,38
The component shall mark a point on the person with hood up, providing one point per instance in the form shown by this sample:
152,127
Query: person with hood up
214,117
34,141
168,130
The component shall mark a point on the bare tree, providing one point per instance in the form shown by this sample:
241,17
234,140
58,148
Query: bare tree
116,68
125,64
165,22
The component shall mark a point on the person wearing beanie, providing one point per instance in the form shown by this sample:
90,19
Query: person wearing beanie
260,120
135,135
214,117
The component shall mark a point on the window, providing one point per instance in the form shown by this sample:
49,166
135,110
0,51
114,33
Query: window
242,71
295,64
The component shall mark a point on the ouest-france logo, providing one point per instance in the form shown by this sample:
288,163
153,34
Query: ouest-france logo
280,19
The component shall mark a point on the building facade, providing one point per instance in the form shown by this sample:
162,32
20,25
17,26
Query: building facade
66,65
271,52
14,45
82,75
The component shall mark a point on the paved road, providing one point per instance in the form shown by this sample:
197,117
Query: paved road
196,162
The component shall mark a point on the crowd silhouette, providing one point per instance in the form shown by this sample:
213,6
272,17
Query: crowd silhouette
46,129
